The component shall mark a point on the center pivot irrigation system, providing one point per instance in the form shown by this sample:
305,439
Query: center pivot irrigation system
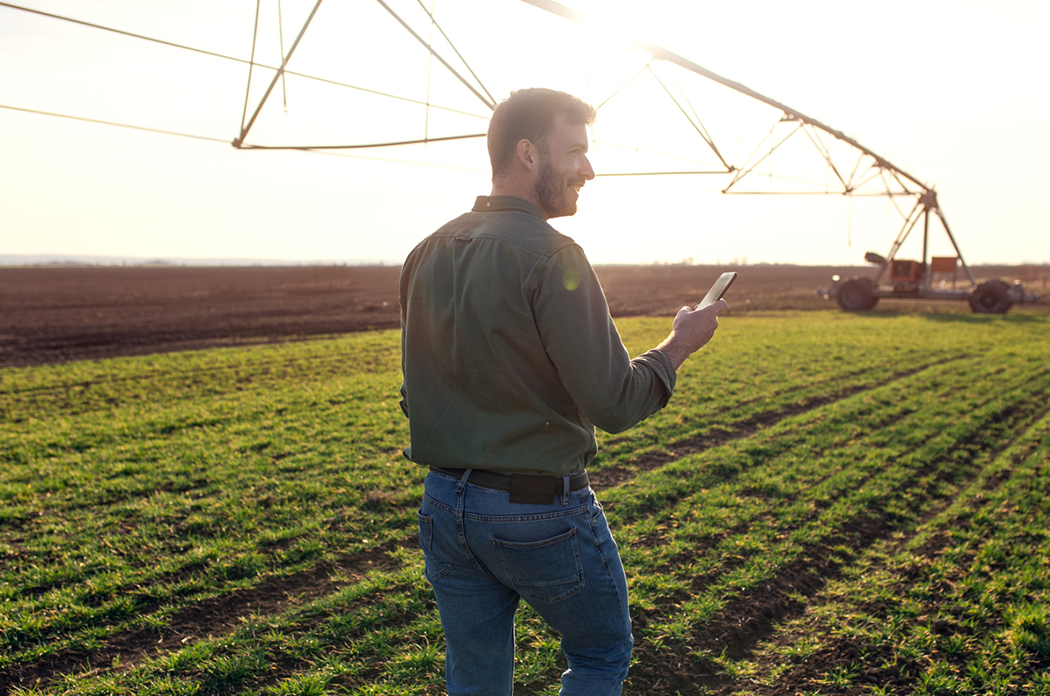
895,278
849,168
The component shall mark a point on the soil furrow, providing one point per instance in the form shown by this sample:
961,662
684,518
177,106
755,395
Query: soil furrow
608,477
881,666
740,626
215,616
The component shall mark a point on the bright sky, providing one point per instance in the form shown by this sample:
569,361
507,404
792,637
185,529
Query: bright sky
949,91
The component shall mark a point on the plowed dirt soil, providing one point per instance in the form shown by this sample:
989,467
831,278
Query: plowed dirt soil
60,314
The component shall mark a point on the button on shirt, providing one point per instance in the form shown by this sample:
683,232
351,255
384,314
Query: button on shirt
509,354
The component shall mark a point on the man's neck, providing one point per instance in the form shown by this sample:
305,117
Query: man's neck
515,186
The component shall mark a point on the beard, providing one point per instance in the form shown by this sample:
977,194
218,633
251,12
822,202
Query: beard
552,193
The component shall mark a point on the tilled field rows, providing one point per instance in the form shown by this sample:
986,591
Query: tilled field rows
861,516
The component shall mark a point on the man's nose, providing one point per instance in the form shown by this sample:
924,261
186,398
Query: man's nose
588,171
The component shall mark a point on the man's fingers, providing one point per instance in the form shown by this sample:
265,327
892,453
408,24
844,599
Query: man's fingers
691,329
715,307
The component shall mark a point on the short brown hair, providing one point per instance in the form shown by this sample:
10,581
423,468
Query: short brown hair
530,114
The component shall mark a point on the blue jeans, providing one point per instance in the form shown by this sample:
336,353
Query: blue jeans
483,553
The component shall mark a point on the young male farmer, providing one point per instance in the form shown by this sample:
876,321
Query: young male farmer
510,360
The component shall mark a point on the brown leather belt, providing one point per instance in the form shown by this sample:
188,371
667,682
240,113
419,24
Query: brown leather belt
529,489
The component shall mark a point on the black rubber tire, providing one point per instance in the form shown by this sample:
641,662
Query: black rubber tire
992,297
855,295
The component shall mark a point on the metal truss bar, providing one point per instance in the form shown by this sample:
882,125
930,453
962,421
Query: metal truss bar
761,142
378,94
121,32
944,223
742,172
909,224
422,141
882,176
895,174
876,175
114,123
455,50
699,128
675,173
239,60
605,143
826,154
251,66
661,53
710,139
280,36
280,73
853,172
888,194
621,87
488,101
558,9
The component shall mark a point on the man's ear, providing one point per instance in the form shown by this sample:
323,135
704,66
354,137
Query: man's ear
528,154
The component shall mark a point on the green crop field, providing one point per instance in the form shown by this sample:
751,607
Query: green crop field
830,504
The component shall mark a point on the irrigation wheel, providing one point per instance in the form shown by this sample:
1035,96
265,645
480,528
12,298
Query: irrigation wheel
855,295
991,297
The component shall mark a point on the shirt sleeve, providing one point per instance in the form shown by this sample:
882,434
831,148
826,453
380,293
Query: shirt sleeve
613,391
403,392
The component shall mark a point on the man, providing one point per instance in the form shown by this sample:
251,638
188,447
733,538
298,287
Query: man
510,360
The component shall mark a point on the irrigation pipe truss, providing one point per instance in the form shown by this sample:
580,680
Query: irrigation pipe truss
925,196
880,168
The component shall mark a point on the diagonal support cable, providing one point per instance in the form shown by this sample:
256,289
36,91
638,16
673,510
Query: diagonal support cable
744,171
243,61
909,224
826,154
932,204
699,129
707,134
251,66
280,73
280,36
873,172
621,87
488,101
455,50
421,141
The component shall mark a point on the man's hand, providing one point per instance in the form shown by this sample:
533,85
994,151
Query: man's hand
691,330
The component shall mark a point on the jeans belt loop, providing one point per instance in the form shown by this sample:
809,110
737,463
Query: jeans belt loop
463,480
461,494
565,490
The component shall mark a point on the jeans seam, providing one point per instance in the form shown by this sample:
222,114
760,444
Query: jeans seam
461,506
529,517
599,547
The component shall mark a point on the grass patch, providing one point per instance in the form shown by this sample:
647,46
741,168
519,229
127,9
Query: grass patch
831,502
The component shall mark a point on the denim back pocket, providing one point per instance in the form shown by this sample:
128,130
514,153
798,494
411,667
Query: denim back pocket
434,568
548,570
426,531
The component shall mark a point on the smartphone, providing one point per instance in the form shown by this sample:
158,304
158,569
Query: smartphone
718,289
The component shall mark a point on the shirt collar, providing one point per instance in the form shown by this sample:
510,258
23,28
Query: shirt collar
489,204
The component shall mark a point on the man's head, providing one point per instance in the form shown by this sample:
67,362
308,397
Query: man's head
537,142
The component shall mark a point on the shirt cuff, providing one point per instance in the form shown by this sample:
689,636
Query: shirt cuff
662,366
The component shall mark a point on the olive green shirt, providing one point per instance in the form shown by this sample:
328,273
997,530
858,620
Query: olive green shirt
509,354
